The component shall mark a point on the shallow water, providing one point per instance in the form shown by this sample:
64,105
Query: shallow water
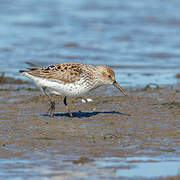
139,39
57,167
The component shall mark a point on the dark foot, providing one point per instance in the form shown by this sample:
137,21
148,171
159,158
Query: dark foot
51,109
69,111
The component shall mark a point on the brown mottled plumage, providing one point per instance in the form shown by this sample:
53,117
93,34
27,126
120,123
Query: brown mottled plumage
65,72
71,79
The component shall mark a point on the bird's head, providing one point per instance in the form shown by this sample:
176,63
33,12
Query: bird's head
108,77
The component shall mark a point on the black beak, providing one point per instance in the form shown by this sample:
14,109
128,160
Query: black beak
118,86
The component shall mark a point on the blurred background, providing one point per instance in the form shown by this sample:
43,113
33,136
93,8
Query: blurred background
139,39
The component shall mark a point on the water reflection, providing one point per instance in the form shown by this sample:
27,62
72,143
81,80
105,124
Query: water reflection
60,168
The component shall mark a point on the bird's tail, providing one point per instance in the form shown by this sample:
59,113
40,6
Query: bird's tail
29,69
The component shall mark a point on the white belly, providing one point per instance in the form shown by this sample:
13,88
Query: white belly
69,89
65,89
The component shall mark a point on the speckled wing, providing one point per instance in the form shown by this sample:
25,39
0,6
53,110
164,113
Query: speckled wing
64,72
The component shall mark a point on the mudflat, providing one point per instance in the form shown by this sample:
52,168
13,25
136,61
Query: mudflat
145,123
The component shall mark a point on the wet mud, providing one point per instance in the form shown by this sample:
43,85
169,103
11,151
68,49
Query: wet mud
145,123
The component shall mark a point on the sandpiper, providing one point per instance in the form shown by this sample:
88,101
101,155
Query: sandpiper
70,79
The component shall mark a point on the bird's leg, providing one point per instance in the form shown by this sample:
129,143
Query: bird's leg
52,103
51,108
67,107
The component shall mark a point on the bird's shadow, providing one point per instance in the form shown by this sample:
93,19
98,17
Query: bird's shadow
81,114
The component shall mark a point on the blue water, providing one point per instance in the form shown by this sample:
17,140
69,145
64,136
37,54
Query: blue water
148,167
139,39
101,168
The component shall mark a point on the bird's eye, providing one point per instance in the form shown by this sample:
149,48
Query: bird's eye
109,76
